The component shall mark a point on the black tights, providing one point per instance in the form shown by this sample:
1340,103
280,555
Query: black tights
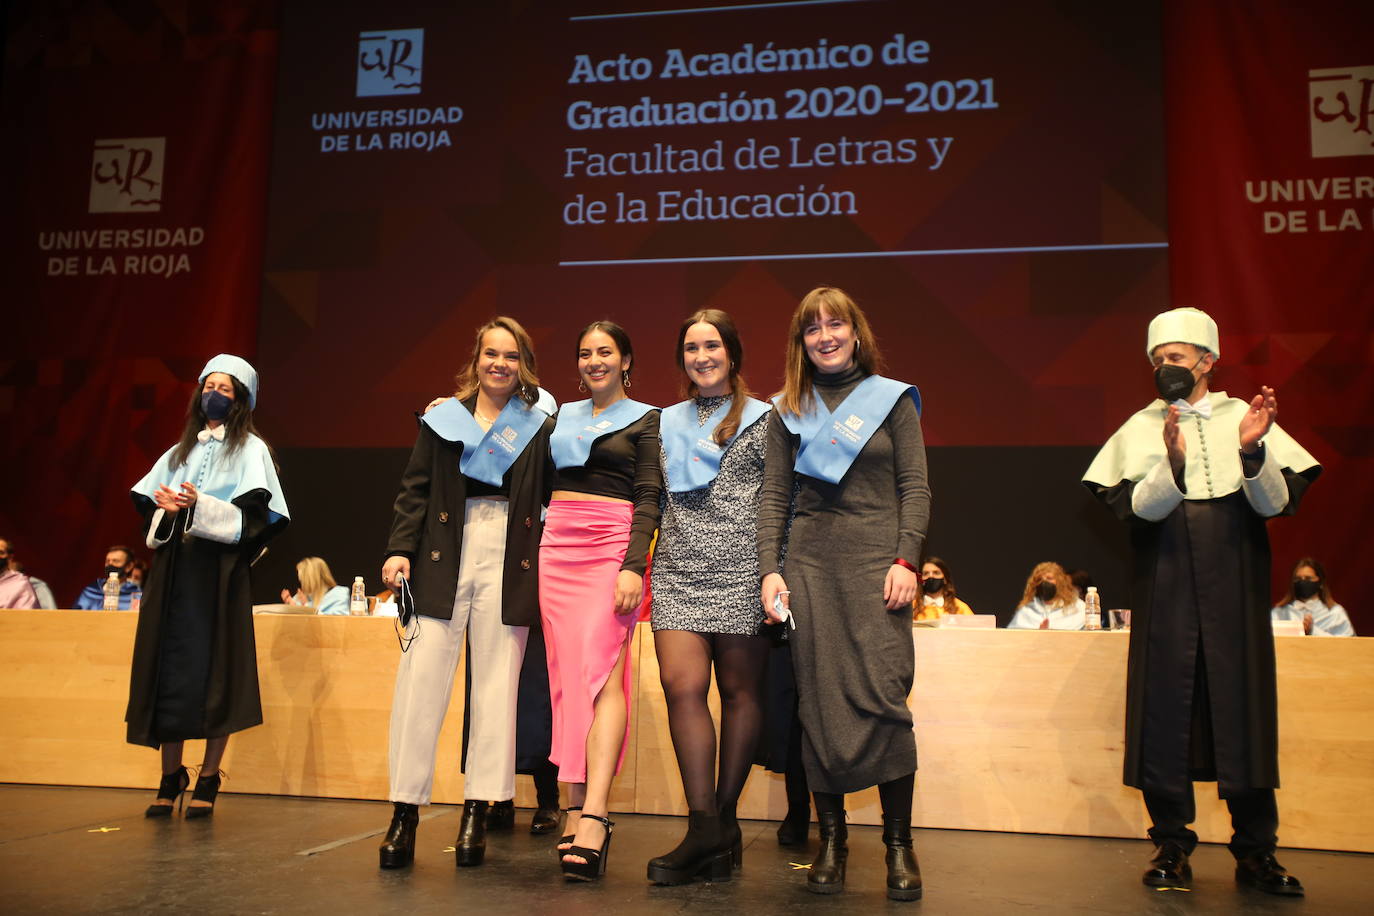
684,664
895,796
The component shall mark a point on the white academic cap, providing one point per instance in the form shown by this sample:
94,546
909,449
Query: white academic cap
236,367
1185,325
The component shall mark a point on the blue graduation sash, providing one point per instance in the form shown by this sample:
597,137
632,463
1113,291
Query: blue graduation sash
577,430
830,441
487,453
693,455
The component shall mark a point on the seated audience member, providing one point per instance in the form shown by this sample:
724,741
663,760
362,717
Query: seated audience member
15,589
118,559
1309,599
137,570
1049,602
318,588
938,597
40,588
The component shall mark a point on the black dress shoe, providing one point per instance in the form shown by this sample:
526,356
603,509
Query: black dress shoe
398,848
501,815
545,820
1264,872
471,846
1169,867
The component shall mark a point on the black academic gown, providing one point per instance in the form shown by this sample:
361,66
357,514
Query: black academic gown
1201,701
195,668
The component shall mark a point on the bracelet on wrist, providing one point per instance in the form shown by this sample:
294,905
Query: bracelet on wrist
904,564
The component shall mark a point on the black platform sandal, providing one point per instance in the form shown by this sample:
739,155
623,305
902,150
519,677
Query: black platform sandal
594,865
173,789
207,787
565,842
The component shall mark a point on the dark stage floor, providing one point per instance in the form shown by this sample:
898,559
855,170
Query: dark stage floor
66,850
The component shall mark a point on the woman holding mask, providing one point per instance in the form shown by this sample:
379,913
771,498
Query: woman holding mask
591,580
706,610
465,535
211,502
851,441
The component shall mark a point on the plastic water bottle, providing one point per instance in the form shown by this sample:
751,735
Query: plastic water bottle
112,592
357,600
1093,604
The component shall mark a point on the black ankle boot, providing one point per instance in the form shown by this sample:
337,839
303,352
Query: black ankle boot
827,872
731,837
903,871
471,846
398,848
794,827
702,853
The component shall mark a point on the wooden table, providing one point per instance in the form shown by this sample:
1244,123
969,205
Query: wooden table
1017,731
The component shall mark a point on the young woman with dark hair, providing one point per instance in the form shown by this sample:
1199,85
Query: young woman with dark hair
211,502
706,610
601,520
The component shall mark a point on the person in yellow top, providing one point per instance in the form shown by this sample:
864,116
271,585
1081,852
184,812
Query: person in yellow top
938,596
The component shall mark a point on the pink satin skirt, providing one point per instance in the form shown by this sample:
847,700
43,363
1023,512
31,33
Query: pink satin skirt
579,558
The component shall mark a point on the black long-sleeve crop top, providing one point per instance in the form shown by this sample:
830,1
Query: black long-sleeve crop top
623,465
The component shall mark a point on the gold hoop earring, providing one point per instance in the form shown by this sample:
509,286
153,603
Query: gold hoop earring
581,386
625,378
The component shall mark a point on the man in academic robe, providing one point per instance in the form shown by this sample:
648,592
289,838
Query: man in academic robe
1196,474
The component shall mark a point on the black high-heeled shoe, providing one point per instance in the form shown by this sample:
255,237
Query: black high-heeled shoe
501,816
593,865
398,847
173,789
795,828
732,836
565,841
207,788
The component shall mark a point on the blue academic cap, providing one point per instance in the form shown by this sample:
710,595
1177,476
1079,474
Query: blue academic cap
238,368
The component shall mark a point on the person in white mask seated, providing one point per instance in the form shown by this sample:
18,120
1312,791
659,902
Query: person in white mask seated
1309,600
1049,602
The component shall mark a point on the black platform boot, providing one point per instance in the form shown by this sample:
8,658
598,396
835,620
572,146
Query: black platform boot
701,854
398,848
827,872
903,871
471,846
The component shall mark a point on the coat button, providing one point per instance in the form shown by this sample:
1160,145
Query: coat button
443,518
524,564
528,521
434,555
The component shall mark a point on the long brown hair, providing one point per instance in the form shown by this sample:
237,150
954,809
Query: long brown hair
1066,594
238,426
527,372
949,592
1323,588
739,388
799,373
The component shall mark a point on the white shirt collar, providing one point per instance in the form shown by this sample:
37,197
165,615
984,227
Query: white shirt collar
205,435
1202,408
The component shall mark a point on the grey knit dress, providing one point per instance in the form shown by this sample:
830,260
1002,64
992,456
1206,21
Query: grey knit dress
853,658
705,576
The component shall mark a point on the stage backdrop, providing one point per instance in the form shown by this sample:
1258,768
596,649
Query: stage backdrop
985,178
136,144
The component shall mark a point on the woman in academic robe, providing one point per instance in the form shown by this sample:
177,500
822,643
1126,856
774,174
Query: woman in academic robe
850,440
602,518
464,537
706,611
211,503
1049,601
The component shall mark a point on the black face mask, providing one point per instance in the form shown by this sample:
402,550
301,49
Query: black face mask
1046,591
933,584
117,570
215,405
1174,382
1305,588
